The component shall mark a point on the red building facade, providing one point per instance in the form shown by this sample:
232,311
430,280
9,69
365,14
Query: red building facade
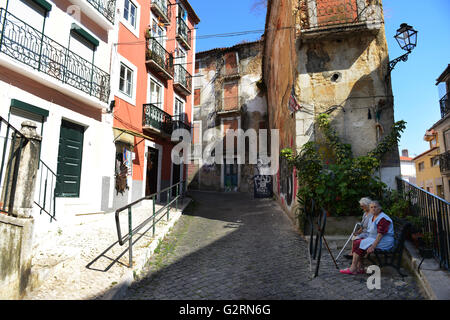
154,60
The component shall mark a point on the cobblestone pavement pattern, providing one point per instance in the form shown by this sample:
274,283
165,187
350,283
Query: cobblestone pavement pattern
230,246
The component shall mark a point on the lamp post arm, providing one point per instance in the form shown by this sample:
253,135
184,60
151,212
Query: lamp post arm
403,58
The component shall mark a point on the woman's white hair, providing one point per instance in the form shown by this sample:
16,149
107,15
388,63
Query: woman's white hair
365,201
377,204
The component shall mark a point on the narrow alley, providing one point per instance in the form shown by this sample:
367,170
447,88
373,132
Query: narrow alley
230,246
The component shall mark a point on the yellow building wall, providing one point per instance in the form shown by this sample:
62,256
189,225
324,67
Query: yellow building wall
429,177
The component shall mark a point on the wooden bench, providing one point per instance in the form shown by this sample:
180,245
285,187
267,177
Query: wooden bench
393,257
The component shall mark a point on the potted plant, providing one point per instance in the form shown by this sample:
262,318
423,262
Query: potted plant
416,230
426,245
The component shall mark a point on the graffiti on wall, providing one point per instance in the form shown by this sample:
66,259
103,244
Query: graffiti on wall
286,181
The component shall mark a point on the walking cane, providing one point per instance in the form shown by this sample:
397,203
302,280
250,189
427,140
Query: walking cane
329,251
358,225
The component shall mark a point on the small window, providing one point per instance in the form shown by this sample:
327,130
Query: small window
433,143
435,161
197,97
129,12
126,80
421,166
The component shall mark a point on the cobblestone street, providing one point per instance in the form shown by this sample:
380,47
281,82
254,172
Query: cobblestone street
230,246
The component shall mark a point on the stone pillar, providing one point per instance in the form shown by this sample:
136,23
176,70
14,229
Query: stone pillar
24,159
16,230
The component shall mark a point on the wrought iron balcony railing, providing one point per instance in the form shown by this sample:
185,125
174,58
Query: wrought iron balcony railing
183,33
106,7
29,46
327,14
158,58
445,105
161,9
156,118
182,80
180,122
444,162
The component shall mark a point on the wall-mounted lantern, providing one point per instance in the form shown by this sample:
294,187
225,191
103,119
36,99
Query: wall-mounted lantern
407,40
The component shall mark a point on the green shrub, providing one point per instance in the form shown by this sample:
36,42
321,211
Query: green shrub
338,183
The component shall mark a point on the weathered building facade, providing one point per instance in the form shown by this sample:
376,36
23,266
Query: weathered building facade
329,56
441,133
226,96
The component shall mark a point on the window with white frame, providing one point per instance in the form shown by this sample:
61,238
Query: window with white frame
158,32
130,12
126,80
156,92
178,110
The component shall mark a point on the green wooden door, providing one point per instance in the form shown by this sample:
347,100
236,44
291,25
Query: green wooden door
70,156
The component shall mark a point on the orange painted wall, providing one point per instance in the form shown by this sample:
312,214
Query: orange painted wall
126,115
129,116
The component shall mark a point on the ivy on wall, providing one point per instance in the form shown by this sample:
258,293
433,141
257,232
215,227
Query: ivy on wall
338,182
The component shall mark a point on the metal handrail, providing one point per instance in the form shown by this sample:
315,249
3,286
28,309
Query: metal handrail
180,190
49,209
436,214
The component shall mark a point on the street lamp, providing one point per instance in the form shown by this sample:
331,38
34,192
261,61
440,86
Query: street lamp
407,40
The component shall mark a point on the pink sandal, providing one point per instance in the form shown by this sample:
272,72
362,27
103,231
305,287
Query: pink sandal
347,271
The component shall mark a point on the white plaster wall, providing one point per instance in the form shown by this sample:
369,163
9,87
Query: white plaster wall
97,161
408,168
57,26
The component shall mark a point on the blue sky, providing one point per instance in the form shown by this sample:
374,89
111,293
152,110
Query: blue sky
413,82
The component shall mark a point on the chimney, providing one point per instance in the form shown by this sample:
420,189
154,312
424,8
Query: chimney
405,153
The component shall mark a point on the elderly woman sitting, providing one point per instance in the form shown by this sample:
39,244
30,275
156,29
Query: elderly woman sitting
361,233
380,236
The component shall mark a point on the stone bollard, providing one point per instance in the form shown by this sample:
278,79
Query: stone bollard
24,162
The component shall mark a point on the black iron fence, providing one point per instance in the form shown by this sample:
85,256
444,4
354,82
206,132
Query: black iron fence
181,122
183,32
45,197
444,162
161,8
29,46
106,7
157,118
445,105
434,211
183,77
317,14
157,53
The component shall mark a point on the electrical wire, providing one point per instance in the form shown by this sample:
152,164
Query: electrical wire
209,36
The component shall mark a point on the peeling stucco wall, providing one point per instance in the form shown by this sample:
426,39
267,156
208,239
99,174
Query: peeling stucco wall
347,76
211,114
341,69
279,74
